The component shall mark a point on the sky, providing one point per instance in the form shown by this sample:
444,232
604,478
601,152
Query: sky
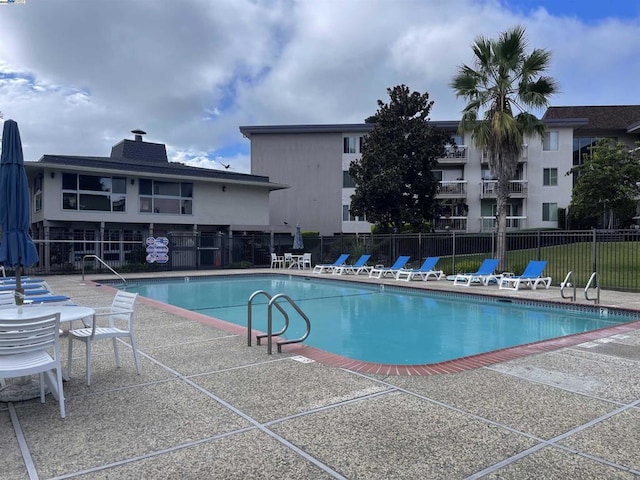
79,75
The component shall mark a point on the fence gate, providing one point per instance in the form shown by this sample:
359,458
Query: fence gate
183,251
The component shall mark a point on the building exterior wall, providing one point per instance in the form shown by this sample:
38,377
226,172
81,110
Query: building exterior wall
237,204
311,164
295,158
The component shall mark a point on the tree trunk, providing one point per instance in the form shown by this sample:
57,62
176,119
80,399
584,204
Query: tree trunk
502,197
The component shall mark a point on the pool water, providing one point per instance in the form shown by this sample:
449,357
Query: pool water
391,325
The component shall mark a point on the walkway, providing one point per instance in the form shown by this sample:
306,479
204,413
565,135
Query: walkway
208,406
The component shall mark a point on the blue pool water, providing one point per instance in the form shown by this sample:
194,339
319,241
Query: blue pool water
390,325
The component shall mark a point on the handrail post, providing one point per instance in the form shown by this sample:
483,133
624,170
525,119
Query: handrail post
594,276
566,283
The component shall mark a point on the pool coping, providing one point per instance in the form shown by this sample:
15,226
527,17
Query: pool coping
457,365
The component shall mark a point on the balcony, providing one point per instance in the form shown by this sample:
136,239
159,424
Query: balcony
489,224
517,188
456,154
524,156
452,189
450,224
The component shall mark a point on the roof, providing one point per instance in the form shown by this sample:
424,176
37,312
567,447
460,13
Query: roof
147,168
447,125
247,131
147,158
599,117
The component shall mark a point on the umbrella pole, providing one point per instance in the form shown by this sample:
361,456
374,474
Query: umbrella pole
19,290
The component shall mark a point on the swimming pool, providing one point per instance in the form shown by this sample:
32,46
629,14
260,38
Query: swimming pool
382,324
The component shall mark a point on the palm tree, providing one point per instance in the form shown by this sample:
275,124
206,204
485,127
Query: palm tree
504,79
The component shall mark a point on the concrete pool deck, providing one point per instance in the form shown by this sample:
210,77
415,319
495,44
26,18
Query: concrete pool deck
207,406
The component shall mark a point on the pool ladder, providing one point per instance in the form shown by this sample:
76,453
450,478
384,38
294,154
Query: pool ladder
273,301
592,279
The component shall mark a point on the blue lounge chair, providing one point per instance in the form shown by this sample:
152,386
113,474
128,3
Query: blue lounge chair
23,280
26,286
328,267
47,299
379,272
485,274
424,272
530,278
355,269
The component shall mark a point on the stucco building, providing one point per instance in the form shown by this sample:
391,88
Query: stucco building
314,160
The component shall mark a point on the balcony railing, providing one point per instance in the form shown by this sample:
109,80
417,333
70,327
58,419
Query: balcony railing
455,154
489,224
451,224
452,189
517,188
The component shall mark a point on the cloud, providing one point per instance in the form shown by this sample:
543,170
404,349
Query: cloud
78,76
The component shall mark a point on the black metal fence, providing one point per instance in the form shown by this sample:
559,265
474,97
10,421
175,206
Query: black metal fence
615,255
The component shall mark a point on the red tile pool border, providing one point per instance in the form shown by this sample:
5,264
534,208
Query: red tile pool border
450,366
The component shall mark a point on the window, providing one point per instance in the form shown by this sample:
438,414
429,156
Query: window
361,141
347,180
94,193
550,141
550,177
349,145
549,212
347,216
345,213
165,197
37,193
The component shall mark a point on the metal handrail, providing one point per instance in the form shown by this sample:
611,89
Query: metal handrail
250,316
103,263
272,302
567,283
594,276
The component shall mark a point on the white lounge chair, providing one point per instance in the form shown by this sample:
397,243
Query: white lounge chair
355,269
530,278
379,272
484,274
426,270
328,267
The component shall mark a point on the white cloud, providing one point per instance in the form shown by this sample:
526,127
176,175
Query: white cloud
78,76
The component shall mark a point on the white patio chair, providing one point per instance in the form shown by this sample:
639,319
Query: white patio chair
288,260
120,324
277,261
24,350
306,261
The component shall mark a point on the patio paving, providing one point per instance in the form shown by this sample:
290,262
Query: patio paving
207,406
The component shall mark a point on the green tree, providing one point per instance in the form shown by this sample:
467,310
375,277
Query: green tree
503,82
394,181
606,192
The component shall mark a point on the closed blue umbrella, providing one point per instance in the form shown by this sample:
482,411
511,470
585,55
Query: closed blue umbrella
298,244
16,246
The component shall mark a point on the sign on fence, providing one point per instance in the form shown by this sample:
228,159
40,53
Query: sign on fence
157,249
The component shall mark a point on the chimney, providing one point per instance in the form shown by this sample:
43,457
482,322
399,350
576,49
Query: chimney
138,134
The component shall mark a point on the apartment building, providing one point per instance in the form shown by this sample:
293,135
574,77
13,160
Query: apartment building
109,206
314,160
